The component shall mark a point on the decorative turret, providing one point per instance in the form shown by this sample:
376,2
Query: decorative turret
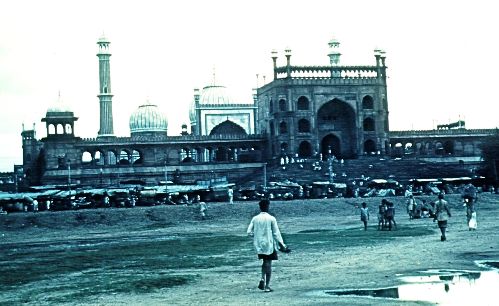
274,60
334,52
105,96
59,120
193,114
287,53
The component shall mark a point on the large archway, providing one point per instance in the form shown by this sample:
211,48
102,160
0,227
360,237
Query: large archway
330,145
228,128
338,117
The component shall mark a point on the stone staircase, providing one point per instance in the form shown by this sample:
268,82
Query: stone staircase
372,167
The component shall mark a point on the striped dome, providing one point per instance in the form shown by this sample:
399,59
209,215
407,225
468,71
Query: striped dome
216,95
148,118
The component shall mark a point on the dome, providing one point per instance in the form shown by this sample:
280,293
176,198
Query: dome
216,95
58,107
148,118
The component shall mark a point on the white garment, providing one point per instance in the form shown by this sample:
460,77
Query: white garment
263,227
472,224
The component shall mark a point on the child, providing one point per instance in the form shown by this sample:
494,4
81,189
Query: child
364,214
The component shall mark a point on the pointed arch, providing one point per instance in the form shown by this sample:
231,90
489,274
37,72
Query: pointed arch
305,149
228,128
367,102
283,127
283,105
369,146
303,103
331,146
303,126
368,124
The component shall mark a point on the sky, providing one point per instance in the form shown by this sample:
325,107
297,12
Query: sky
442,56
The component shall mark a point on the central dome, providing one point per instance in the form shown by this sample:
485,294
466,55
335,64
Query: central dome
148,118
216,95
58,108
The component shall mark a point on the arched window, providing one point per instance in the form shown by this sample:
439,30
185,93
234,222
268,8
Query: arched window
86,157
271,106
271,128
136,157
303,126
303,103
367,102
99,158
124,158
60,129
282,105
111,158
51,129
283,127
368,124
69,129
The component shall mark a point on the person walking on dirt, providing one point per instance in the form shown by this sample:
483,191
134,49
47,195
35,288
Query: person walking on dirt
364,214
411,205
441,207
266,239
381,215
230,195
390,214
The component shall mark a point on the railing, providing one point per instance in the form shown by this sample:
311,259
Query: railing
450,132
342,72
169,139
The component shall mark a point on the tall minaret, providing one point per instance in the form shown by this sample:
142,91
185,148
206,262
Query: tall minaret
105,96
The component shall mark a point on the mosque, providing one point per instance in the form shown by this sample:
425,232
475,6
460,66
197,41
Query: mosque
303,112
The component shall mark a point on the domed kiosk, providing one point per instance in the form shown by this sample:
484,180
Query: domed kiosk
215,111
148,120
59,120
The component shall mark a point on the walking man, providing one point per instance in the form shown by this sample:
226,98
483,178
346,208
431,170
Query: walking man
266,239
230,195
441,207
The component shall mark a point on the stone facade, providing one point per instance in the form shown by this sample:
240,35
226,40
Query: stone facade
323,111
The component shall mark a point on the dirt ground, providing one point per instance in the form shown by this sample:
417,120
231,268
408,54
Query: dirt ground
299,278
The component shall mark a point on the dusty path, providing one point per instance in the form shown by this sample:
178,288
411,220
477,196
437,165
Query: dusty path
298,277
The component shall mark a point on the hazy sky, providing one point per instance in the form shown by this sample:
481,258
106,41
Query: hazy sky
442,56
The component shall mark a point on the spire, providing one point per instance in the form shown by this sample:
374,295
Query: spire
214,76
105,96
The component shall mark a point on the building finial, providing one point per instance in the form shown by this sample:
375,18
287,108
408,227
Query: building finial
214,76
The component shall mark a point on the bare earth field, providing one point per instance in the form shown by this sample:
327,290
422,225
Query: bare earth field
167,255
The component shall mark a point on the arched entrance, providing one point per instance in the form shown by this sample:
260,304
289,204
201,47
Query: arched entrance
330,145
369,146
335,121
305,149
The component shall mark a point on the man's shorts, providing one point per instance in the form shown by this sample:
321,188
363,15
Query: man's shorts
272,256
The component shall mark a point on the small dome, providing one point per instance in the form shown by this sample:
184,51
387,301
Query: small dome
58,107
216,95
103,39
148,118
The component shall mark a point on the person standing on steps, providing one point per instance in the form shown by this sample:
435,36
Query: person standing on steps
266,239
442,214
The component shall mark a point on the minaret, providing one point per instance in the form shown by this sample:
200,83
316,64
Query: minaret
105,96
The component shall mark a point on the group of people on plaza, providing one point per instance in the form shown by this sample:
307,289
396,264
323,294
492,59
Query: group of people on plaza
438,210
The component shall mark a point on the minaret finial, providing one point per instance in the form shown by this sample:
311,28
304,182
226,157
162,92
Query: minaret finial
214,76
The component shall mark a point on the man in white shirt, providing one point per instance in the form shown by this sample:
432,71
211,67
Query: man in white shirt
266,237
